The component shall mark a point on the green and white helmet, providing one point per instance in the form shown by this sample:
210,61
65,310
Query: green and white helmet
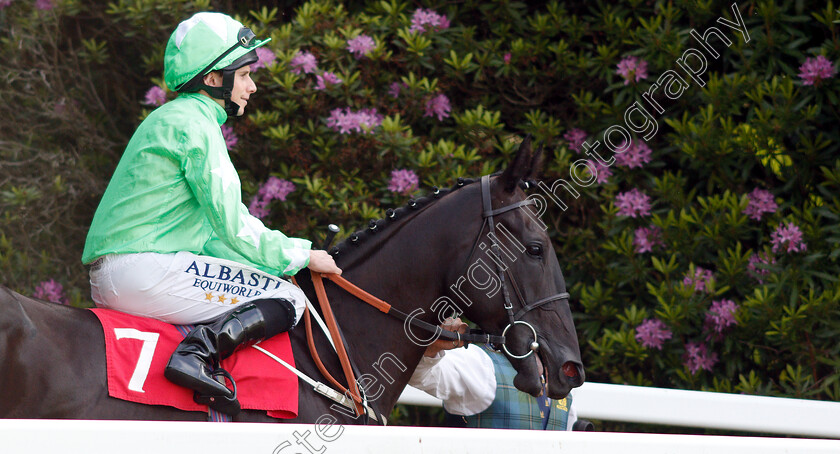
209,42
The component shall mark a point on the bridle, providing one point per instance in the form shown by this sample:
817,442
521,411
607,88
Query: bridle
474,336
513,318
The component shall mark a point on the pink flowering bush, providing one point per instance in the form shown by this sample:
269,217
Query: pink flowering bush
326,80
155,96
575,138
816,70
273,189
265,58
50,291
698,280
347,121
360,45
438,106
652,333
760,201
425,19
304,63
632,69
633,203
231,139
636,156
403,181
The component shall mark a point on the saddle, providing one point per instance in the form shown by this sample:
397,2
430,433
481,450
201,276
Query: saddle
138,348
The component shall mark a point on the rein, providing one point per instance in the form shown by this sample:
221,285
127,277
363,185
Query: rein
474,336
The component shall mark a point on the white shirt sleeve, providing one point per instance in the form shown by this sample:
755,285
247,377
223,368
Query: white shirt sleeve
463,378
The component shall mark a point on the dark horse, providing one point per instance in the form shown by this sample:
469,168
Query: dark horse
425,259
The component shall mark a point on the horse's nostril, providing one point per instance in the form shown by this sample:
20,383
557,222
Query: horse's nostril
570,370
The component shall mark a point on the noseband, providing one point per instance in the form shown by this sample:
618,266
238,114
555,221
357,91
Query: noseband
513,318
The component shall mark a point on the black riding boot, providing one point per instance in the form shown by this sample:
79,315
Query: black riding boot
195,364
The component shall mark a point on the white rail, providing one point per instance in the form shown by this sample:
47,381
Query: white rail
674,407
129,437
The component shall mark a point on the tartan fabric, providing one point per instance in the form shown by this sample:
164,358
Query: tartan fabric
513,409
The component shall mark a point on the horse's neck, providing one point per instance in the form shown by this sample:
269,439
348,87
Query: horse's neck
402,268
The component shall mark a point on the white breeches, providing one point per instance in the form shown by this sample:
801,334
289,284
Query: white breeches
183,288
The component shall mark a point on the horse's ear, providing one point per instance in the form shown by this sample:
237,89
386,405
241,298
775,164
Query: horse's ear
535,167
519,168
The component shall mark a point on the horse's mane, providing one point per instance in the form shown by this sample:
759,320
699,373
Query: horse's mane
392,216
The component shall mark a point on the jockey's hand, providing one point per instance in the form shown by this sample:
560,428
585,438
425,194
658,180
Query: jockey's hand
450,324
322,262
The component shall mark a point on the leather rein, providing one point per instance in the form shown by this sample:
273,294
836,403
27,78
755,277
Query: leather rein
474,336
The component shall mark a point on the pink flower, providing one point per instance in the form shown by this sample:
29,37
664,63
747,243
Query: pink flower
815,70
645,238
637,155
575,137
403,181
760,202
701,277
788,236
265,58
273,189
632,69
652,333
5,3
258,207
438,106
720,316
756,272
155,96
50,291
633,203
394,89
44,5
506,58
276,188
326,78
346,121
602,172
425,19
361,45
697,357
230,137
304,62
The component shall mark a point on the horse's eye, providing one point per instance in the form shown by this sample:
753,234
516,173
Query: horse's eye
535,249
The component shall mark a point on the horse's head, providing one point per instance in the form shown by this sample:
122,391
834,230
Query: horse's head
512,263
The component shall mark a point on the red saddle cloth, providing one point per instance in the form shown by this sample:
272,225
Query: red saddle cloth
138,348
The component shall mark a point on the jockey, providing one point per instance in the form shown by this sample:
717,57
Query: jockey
171,238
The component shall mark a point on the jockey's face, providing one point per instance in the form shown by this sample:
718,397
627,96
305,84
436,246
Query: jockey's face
243,86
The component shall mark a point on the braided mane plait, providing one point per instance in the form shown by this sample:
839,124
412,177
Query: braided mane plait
392,215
